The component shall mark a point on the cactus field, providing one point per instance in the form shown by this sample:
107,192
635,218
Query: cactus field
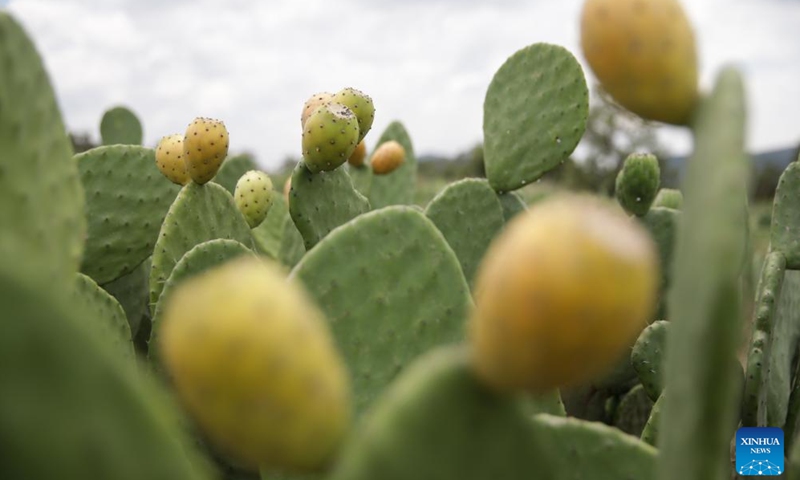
173,312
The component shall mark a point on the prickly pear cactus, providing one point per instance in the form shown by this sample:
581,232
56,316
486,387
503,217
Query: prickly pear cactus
785,228
391,288
127,199
637,183
109,318
669,198
120,126
399,187
534,114
663,224
330,135
232,170
199,213
512,205
361,105
469,216
132,294
633,411
320,202
647,358
254,196
269,235
292,246
205,147
41,199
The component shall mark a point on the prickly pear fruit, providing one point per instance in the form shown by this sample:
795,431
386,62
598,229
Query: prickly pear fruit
561,295
205,146
359,154
314,102
330,136
169,159
644,54
387,158
637,183
287,189
361,104
253,362
669,198
253,195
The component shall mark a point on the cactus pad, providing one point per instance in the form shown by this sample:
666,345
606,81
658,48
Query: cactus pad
132,293
269,235
512,204
637,183
292,247
199,259
647,357
400,187
785,229
232,170
783,350
320,202
392,289
469,216
534,114
633,411
120,126
41,199
662,223
107,315
126,201
199,213
650,430
362,178
669,198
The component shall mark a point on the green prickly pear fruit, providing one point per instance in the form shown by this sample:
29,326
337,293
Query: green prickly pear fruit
644,54
330,136
312,104
169,159
253,196
358,156
637,183
361,104
669,198
253,362
205,146
388,157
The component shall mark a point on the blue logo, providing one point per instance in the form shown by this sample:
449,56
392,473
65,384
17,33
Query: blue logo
759,451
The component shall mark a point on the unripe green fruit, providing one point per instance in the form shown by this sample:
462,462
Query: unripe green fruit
314,102
638,182
361,104
330,136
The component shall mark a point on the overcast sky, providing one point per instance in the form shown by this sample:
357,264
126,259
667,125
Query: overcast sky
425,62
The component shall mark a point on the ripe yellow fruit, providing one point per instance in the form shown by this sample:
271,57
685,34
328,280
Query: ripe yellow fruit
643,52
169,159
314,102
561,295
253,362
387,158
359,154
205,146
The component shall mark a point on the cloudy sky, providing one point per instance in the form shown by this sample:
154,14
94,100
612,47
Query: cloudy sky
425,62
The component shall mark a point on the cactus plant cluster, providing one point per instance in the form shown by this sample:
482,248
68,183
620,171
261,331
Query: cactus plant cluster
340,332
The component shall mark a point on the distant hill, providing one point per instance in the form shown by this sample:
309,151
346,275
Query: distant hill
772,159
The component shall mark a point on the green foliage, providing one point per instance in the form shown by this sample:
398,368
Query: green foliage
535,113
107,314
120,126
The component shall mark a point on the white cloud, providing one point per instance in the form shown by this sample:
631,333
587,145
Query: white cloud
426,63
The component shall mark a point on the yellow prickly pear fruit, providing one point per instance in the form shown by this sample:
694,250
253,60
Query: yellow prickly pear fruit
314,102
561,295
253,362
359,154
287,189
205,146
169,159
387,158
253,196
643,52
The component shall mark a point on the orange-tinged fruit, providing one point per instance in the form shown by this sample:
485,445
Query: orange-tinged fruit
643,52
359,154
253,362
205,146
169,159
314,102
387,157
561,295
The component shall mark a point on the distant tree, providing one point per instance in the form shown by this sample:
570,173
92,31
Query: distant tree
81,142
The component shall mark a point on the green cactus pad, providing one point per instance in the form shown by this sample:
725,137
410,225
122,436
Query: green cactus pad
320,202
704,300
512,204
668,198
292,248
637,183
232,170
785,337
361,177
548,402
662,223
633,411
438,422
127,199
399,187
199,213
793,410
72,408
119,126
269,235
41,199
469,216
587,403
754,409
647,357
785,229
132,293
107,315
650,430
534,114
200,258
391,288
